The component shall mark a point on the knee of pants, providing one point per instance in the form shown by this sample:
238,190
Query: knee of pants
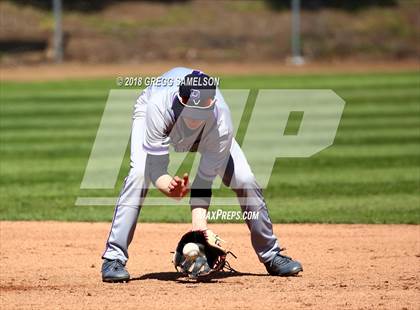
249,193
244,182
136,178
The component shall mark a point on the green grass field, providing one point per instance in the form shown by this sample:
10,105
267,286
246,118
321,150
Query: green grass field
371,174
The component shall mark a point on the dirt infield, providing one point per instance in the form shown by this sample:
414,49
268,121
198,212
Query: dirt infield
51,265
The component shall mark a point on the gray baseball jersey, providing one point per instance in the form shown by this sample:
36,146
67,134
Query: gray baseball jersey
162,128
154,130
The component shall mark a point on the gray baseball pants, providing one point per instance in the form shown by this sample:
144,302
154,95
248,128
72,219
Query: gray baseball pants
134,190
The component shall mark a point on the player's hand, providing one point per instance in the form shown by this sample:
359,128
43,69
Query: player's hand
178,187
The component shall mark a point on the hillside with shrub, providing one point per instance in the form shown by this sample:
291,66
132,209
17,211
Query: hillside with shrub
246,31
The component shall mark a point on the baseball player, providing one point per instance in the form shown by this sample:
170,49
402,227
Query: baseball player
192,116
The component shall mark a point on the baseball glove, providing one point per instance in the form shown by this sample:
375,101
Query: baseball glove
210,258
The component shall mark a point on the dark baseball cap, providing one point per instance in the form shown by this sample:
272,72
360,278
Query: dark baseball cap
196,89
198,113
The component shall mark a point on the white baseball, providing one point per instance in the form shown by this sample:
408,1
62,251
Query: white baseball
191,250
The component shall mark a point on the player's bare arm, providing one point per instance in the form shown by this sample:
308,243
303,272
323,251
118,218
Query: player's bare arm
199,218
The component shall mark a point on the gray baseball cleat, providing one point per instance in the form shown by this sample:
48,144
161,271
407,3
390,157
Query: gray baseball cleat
114,271
284,266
